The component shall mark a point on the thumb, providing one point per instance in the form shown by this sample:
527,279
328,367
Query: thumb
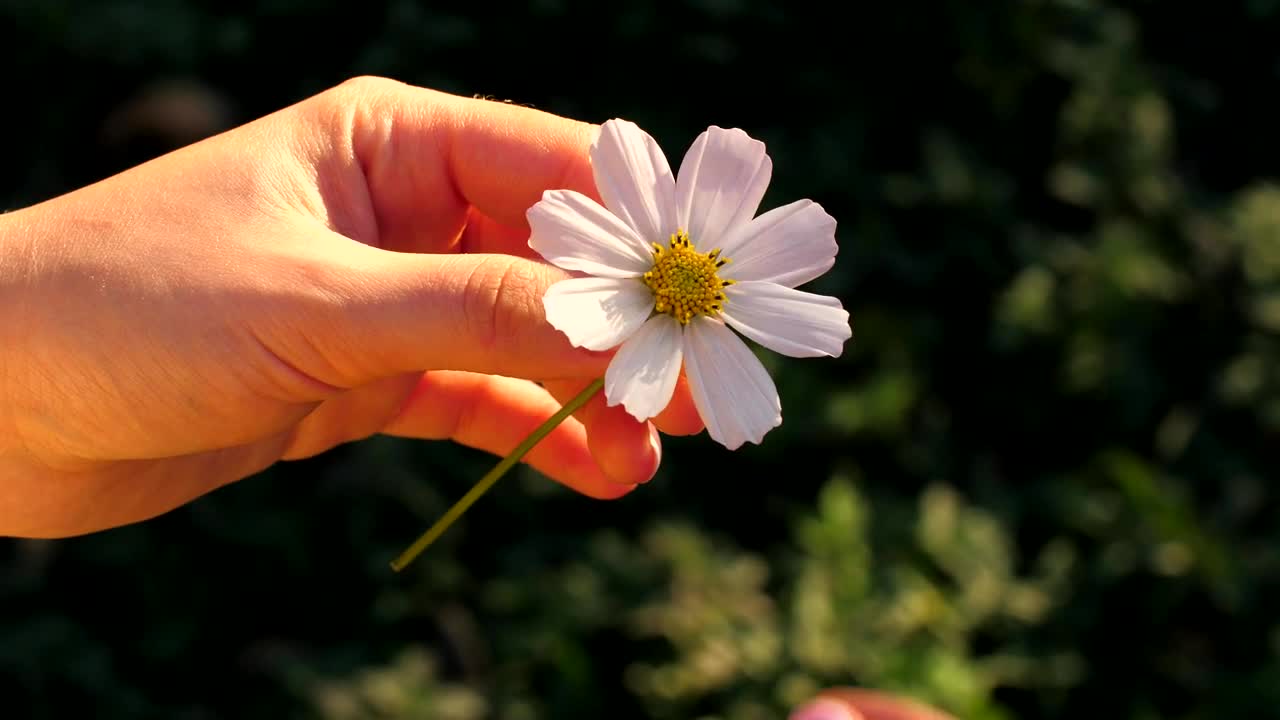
361,314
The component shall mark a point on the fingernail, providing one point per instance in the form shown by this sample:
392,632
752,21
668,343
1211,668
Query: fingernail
823,710
655,442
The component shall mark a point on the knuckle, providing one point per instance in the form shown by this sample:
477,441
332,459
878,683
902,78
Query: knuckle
308,294
353,102
502,299
364,86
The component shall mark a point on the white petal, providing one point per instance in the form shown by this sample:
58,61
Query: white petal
634,179
790,245
721,182
598,313
791,322
572,231
642,376
733,392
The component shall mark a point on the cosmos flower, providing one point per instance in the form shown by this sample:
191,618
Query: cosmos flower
672,263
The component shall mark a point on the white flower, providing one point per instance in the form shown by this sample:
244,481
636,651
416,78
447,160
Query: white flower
673,260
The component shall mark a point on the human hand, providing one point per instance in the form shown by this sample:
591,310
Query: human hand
859,704
351,265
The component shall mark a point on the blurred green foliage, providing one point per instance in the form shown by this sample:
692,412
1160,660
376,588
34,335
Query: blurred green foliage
1041,483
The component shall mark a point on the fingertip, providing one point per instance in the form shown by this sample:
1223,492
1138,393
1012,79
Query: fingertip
680,417
609,491
655,443
494,414
627,450
567,457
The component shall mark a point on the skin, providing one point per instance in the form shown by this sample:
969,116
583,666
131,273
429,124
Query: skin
847,703
351,265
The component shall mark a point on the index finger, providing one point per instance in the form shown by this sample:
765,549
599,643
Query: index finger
431,160
503,157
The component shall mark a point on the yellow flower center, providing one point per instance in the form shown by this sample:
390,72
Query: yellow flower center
684,281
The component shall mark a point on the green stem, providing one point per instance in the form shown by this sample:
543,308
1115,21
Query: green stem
486,482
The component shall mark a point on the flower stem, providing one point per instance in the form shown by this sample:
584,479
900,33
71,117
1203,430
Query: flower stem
482,486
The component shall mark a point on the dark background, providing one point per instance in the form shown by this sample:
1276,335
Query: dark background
1040,483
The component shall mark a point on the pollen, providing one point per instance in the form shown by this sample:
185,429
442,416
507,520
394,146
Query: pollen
684,281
